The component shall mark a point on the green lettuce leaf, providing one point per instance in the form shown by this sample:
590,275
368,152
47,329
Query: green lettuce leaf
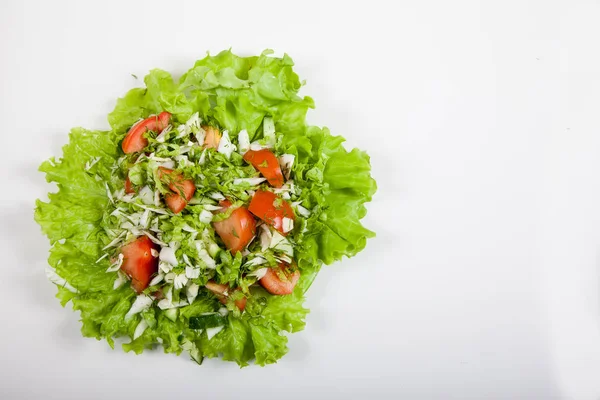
233,93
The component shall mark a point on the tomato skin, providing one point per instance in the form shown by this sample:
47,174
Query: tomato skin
175,201
274,285
135,141
129,186
212,138
139,263
266,163
223,291
263,206
237,230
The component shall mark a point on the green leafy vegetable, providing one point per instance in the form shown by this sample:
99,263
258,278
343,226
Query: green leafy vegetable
257,94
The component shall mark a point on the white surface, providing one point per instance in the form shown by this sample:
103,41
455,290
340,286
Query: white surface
482,123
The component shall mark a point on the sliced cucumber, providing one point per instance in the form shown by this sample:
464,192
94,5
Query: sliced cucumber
172,314
207,321
213,249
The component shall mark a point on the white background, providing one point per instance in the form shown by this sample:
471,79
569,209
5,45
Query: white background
481,119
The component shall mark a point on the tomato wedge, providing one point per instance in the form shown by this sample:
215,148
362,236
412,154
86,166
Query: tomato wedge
223,291
237,230
135,140
271,209
266,163
139,263
212,138
183,189
280,280
128,186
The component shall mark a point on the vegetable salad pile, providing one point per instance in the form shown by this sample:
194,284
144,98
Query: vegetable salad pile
201,218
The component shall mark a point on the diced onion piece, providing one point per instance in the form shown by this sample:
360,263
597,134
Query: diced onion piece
145,219
165,267
202,159
188,228
58,280
156,280
115,241
186,260
191,292
265,237
284,258
255,261
141,303
180,281
243,141
102,258
216,196
140,329
259,273
276,238
269,132
170,277
279,242
225,145
156,210
211,332
205,216
256,146
163,134
147,196
167,254
287,224
206,258
192,272
286,161
154,239
117,264
223,311
249,181
303,211
166,304
121,279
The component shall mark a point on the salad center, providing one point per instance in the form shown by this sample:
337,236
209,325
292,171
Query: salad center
202,211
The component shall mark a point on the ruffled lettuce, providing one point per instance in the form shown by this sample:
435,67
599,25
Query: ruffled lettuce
235,93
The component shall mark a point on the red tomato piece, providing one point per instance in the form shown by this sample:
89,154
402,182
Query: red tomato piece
223,292
175,202
280,280
237,230
183,189
135,140
271,209
212,138
266,163
139,263
128,186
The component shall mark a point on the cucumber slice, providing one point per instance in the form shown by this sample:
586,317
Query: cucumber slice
172,314
207,321
213,249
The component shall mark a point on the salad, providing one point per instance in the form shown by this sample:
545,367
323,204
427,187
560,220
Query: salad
198,222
